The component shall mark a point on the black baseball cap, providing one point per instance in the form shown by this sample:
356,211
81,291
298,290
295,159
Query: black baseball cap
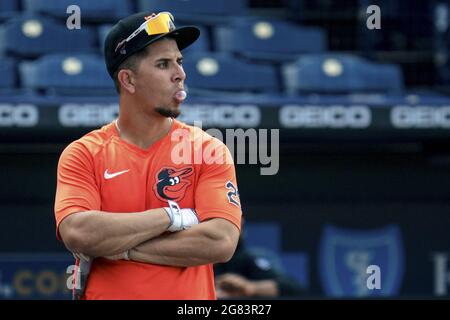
117,48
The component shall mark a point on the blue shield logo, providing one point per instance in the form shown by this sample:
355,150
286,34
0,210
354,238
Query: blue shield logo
345,256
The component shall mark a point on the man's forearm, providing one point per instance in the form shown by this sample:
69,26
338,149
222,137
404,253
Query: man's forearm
96,233
208,242
236,285
265,288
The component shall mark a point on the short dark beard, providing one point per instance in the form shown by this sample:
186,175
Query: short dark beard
168,112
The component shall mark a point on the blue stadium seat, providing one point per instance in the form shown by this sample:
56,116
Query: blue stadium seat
98,10
269,39
263,235
405,26
223,72
341,73
102,34
81,74
198,11
8,72
8,9
31,36
304,10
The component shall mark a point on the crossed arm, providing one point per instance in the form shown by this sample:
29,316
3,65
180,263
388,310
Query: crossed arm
97,234
212,241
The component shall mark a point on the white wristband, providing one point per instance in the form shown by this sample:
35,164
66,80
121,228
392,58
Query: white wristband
176,219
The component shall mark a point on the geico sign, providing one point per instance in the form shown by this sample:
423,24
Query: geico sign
88,115
244,116
404,117
308,116
20,115
43,282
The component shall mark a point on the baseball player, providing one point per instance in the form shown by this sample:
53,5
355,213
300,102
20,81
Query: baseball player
144,219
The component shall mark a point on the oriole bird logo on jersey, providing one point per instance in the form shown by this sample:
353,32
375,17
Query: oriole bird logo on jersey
172,183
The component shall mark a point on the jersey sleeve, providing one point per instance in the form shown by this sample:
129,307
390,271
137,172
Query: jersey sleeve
76,188
217,195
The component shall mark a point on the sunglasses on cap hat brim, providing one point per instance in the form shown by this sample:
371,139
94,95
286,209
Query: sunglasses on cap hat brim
153,25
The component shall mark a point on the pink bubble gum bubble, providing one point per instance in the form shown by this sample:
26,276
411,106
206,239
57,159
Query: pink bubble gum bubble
181,95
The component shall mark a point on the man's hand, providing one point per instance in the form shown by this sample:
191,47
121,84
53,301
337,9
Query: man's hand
234,285
180,219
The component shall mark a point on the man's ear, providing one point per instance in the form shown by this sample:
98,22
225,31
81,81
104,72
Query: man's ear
126,80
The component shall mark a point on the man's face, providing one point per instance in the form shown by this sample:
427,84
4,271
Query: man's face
160,76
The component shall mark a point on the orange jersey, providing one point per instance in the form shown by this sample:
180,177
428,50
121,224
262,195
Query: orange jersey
102,172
